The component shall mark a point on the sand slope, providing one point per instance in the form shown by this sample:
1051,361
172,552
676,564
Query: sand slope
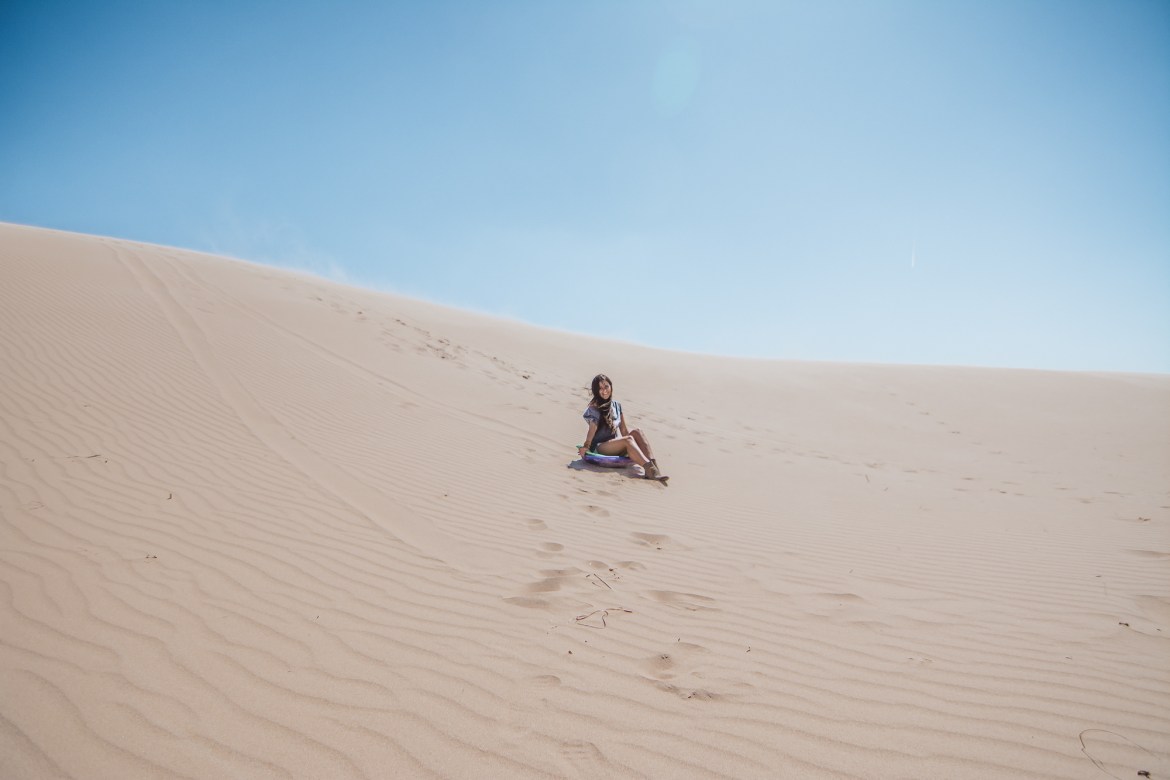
255,524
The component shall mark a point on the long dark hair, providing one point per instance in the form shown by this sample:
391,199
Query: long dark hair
602,405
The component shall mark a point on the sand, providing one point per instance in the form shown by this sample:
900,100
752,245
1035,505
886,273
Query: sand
258,524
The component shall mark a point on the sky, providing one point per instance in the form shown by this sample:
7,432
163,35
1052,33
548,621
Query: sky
928,182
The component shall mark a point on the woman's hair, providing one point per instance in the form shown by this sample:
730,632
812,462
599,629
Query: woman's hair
602,405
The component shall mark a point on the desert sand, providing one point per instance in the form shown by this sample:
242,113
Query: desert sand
258,524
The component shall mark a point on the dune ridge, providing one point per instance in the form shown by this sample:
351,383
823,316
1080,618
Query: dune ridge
258,524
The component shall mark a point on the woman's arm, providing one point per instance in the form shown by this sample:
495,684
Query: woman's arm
588,440
622,425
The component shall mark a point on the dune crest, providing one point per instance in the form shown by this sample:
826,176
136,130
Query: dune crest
259,524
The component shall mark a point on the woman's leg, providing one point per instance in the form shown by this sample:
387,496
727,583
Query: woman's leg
643,445
623,445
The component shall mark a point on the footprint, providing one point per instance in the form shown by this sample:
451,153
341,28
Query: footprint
597,510
691,602
552,547
1155,608
585,759
559,572
526,601
685,692
651,540
547,585
536,525
661,666
841,598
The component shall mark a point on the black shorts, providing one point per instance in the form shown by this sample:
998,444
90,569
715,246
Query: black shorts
598,442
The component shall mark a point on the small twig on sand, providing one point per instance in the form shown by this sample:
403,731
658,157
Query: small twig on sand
603,612
1098,764
597,579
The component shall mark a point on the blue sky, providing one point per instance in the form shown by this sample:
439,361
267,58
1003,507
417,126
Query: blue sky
979,183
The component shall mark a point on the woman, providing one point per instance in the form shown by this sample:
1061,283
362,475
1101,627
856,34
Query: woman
609,434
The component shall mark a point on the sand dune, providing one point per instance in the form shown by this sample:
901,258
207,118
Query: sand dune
257,524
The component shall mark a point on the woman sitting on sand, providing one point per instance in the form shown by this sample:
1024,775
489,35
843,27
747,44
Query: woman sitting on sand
608,433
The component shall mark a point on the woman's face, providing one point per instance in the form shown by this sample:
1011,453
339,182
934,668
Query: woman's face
604,389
